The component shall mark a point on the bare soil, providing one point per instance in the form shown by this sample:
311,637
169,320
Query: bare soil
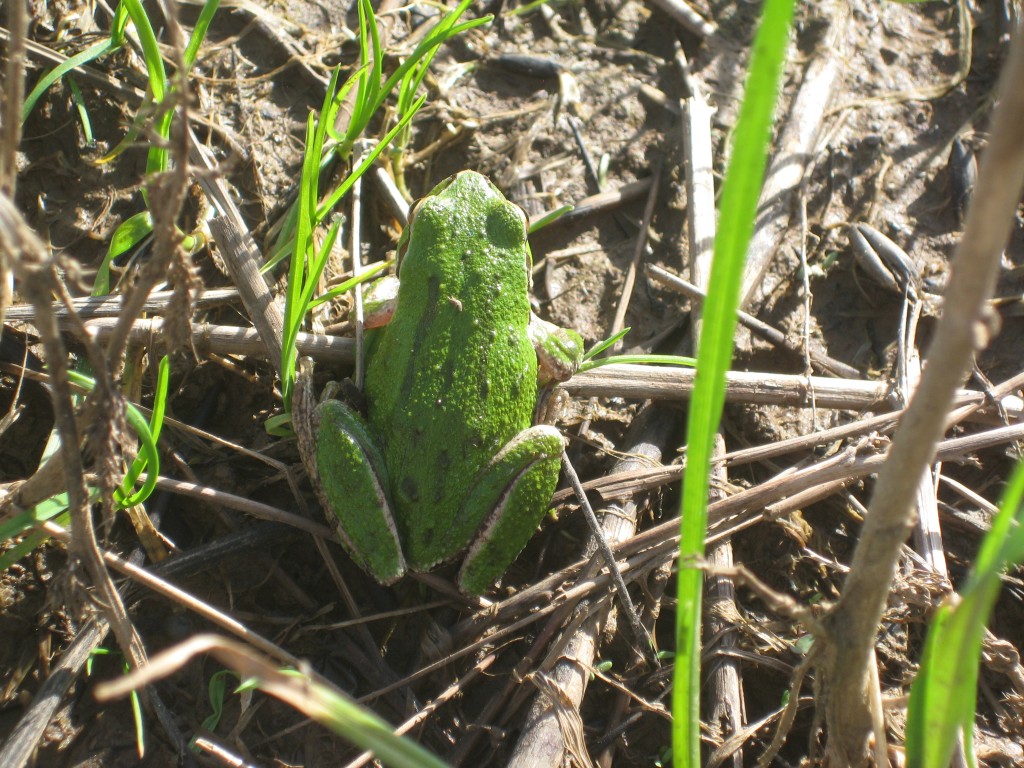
880,157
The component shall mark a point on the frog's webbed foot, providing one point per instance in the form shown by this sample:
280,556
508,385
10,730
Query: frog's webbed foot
303,405
347,391
332,390
344,390
517,486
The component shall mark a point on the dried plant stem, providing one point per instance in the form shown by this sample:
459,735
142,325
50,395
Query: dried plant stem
14,94
963,329
791,159
37,278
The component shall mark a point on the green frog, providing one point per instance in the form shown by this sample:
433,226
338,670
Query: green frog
445,463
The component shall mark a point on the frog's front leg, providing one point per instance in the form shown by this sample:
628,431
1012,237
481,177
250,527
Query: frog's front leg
559,350
352,483
516,486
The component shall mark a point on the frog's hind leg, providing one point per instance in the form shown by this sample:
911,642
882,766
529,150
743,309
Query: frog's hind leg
352,488
517,486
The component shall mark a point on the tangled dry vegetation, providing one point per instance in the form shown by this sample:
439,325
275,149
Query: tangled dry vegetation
601,105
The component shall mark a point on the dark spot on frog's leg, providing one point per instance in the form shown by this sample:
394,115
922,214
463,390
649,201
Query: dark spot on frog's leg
409,489
438,483
448,373
516,387
433,297
429,313
483,377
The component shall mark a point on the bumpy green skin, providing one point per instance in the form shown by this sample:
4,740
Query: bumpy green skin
450,389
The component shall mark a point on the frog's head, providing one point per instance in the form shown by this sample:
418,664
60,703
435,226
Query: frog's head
467,201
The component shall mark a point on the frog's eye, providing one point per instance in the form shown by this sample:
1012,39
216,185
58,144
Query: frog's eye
403,239
412,213
441,186
401,247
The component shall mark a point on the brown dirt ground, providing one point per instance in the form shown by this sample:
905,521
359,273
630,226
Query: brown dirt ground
882,159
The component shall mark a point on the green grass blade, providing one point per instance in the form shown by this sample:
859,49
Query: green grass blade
44,510
608,343
150,49
335,197
377,70
156,161
740,193
317,265
298,270
367,89
216,691
147,441
129,233
91,53
591,364
344,287
149,434
550,217
119,26
199,32
329,115
445,30
943,695
83,112
365,729
1004,542
371,94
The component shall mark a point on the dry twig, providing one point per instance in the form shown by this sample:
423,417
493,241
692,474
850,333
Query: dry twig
963,329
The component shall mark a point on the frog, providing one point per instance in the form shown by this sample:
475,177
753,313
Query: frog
445,462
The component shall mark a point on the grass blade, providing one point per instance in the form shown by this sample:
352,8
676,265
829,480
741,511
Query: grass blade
943,696
740,193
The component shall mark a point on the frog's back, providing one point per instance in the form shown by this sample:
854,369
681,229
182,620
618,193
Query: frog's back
454,377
